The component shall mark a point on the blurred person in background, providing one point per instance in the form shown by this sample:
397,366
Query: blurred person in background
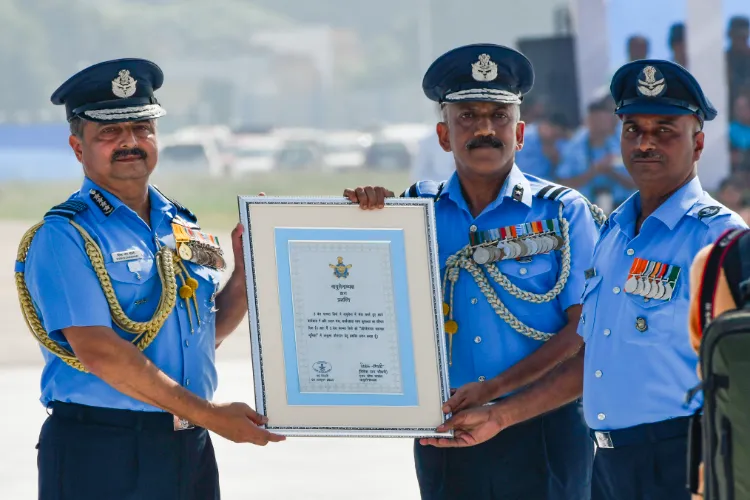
543,144
533,107
432,162
738,58
637,47
592,162
121,289
732,194
678,44
739,130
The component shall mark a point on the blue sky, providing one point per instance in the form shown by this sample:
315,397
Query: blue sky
652,19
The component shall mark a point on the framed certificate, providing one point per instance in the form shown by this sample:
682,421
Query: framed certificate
346,319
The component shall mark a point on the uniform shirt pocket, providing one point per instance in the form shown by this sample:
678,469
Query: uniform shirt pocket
650,321
134,281
536,275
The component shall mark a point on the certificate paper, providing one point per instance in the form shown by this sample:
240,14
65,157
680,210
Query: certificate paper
345,320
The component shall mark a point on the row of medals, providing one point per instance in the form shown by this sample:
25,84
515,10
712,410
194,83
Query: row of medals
649,288
517,248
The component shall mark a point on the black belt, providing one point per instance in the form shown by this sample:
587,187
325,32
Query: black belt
641,434
138,420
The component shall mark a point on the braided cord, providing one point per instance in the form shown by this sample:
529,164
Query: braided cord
462,260
599,216
536,298
145,332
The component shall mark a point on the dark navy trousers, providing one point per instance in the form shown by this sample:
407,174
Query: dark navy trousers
87,453
644,465
547,458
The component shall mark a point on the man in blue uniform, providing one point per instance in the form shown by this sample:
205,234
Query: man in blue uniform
513,249
121,287
638,364
591,161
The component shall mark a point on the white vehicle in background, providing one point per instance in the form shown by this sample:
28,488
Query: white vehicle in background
194,150
301,148
394,147
250,153
344,149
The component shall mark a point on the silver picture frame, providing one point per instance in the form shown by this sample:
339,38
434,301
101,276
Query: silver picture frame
263,219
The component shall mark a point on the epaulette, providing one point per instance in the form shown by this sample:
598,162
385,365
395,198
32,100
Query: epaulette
708,210
67,209
566,195
182,209
551,191
424,189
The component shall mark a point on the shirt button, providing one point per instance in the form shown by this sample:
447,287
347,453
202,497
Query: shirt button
601,416
473,228
523,270
474,300
598,373
481,378
187,343
187,381
477,339
616,290
630,251
607,332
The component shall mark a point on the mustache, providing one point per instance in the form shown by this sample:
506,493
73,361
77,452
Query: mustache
121,153
646,155
484,141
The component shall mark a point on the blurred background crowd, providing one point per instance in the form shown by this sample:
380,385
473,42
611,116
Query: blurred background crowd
275,87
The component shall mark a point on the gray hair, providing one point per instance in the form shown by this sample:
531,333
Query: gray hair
76,126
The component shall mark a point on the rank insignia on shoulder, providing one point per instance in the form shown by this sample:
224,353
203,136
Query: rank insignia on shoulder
198,247
651,279
98,198
516,242
708,212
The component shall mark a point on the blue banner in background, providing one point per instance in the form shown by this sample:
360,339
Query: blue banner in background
37,152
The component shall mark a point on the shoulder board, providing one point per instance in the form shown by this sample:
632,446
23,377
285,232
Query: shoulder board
67,209
708,210
565,195
182,209
424,189
554,192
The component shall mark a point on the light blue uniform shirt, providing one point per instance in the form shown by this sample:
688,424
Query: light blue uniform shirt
578,157
531,159
633,377
485,345
66,292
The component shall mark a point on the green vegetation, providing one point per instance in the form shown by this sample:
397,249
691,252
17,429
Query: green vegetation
214,201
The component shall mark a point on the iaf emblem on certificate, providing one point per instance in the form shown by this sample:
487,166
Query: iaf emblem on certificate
340,270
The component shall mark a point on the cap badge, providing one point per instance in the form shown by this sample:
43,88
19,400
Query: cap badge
484,70
651,83
124,85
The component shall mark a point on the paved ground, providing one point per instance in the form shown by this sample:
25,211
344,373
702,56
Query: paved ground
300,468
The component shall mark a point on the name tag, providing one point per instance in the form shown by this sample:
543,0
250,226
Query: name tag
132,254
